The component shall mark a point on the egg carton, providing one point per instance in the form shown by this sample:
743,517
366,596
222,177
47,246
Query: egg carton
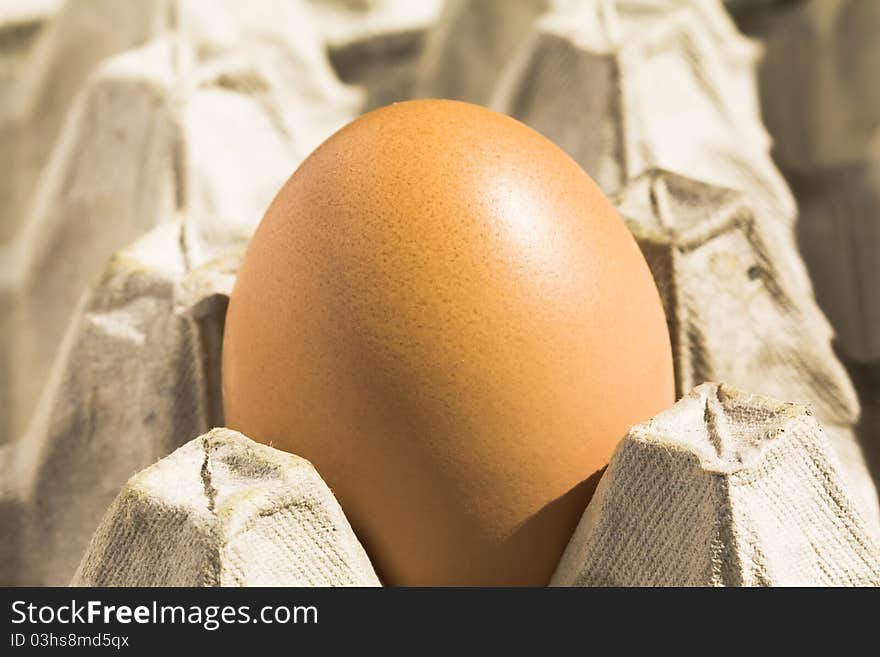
722,489
187,124
223,510
140,370
137,371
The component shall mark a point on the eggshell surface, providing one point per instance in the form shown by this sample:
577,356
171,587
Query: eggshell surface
442,312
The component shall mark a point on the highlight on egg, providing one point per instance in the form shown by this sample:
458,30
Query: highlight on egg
443,313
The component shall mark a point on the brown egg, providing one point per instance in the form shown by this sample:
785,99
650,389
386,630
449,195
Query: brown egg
443,313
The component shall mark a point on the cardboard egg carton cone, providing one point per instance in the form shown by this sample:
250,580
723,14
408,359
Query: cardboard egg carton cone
223,510
733,315
138,374
723,489
156,132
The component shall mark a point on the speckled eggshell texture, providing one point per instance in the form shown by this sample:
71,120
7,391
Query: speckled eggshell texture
443,313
